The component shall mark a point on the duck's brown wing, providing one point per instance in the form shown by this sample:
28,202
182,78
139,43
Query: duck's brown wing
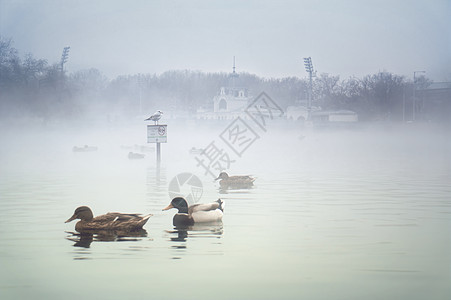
116,217
241,178
114,221
121,220
125,217
109,217
131,223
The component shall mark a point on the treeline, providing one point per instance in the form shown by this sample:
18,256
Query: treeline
32,87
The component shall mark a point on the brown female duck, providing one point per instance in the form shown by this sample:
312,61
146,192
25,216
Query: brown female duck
235,181
109,221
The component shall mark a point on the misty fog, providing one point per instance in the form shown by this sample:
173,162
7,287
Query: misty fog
337,205
348,149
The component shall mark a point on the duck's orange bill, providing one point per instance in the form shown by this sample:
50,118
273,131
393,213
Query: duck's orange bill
168,207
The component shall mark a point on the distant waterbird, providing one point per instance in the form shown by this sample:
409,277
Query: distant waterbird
155,117
85,148
133,155
109,221
226,181
197,213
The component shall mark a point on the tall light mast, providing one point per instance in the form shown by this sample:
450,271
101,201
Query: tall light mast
234,74
309,68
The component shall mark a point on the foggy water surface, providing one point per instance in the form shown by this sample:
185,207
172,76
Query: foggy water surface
334,214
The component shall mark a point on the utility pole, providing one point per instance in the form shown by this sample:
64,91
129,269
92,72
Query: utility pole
309,68
140,84
414,96
404,104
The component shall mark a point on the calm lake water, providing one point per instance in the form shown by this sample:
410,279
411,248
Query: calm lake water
334,214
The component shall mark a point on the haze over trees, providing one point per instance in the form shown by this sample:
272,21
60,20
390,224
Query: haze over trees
34,88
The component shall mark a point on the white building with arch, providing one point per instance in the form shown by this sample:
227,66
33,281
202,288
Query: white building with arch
230,102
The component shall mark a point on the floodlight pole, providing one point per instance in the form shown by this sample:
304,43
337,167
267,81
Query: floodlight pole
309,68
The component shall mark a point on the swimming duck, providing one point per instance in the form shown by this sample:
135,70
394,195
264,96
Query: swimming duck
133,155
197,213
227,180
86,148
109,221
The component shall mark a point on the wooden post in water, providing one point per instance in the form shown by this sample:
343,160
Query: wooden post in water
158,163
158,154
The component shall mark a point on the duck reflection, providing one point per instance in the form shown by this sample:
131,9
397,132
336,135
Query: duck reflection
83,240
209,230
180,235
235,189
86,237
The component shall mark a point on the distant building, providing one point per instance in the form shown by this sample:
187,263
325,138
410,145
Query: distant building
320,117
334,117
434,102
230,99
230,102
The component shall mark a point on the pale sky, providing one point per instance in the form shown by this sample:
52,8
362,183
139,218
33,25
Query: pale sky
268,38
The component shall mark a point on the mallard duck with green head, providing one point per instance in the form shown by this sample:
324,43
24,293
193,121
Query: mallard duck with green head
109,221
197,213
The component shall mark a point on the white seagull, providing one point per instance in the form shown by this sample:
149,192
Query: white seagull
155,117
